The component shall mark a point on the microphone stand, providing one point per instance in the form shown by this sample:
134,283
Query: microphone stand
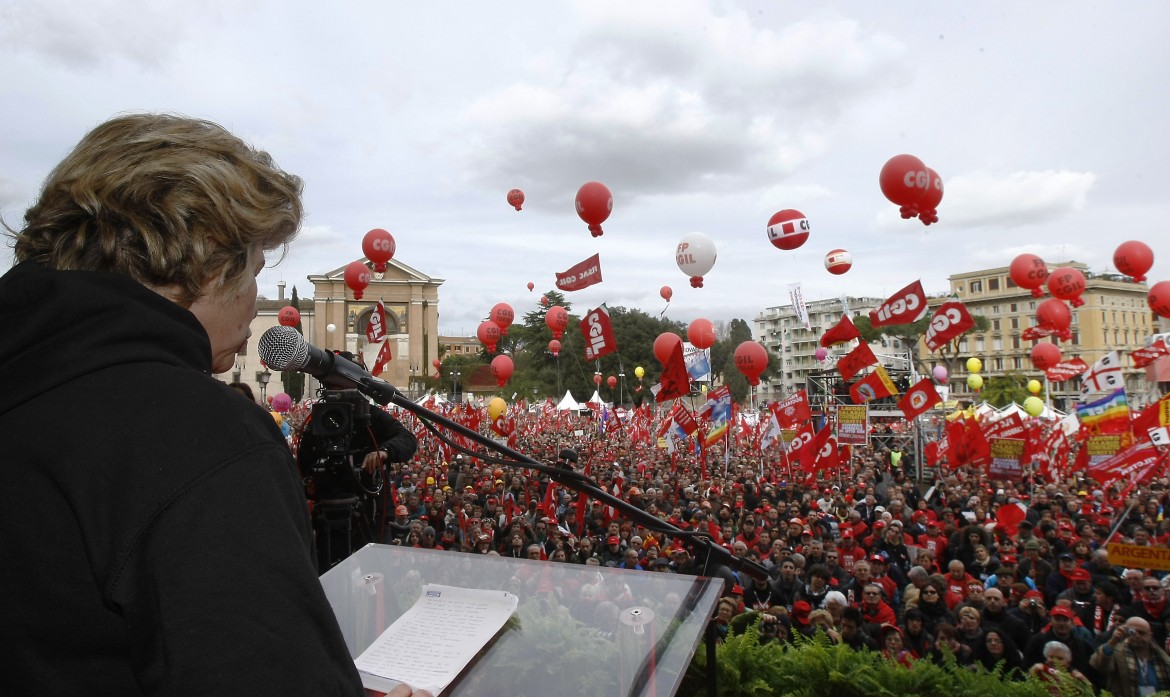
384,393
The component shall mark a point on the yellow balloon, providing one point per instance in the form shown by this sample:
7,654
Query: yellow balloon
975,382
639,372
974,365
497,407
1034,387
1034,405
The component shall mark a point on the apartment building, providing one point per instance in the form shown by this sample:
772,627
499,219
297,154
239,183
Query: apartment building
786,338
1115,316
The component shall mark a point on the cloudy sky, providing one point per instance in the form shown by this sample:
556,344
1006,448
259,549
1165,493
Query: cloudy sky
1045,120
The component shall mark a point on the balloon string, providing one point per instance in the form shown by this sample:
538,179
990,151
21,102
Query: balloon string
664,309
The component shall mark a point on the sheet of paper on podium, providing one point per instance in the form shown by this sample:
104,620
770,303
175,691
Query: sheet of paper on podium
435,639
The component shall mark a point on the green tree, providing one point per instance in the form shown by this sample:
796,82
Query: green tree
1001,390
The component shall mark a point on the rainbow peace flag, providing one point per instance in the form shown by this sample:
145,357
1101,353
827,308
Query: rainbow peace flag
1109,414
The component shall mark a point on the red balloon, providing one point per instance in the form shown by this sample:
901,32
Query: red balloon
788,229
1045,355
289,316
594,204
1054,314
378,246
554,347
502,368
502,314
664,346
1159,298
1067,283
531,285
611,381
436,363
516,198
488,334
751,359
597,379
931,197
666,293
701,333
557,318
903,179
1134,259
357,277
544,300
1029,272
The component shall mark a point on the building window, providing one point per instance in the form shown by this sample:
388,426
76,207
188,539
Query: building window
998,364
976,286
1017,363
1015,342
997,344
1015,307
1015,322
979,345
993,284
1032,306
963,346
995,324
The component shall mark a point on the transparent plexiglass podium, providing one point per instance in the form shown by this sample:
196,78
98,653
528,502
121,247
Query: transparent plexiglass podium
579,630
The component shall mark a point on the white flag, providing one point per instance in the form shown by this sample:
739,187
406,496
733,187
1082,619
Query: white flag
1160,436
771,434
1104,376
797,296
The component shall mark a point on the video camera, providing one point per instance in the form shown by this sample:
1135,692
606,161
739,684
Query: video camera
326,457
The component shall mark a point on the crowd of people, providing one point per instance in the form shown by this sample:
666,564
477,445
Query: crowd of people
875,558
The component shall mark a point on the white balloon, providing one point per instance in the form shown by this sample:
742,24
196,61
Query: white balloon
695,254
330,327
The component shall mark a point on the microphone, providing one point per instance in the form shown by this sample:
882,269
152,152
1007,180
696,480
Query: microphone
283,348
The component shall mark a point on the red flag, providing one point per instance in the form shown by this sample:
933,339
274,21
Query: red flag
1145,356
376,329
383,358
581,275
548,506
675,381
842,331
1066,369
1009,516
904,307
855,361
919,398
956,448
1154,416
978,449
598,332
828,457
802,451
950,320
792,411
1131,463
873,386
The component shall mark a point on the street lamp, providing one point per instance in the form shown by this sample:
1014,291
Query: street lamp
262,378
414,368
622,392
454,385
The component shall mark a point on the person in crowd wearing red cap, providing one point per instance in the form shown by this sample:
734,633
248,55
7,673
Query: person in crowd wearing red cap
933,540
1080,595
849,551
1061,629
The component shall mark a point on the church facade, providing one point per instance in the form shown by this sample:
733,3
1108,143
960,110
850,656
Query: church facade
331,318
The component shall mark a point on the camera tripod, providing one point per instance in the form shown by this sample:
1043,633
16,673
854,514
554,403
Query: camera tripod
340,526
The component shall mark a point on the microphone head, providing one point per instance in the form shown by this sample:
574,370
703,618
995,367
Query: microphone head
283,348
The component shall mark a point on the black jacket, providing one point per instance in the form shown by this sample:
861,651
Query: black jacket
154,533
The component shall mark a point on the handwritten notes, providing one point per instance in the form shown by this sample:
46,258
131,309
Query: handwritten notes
436,638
